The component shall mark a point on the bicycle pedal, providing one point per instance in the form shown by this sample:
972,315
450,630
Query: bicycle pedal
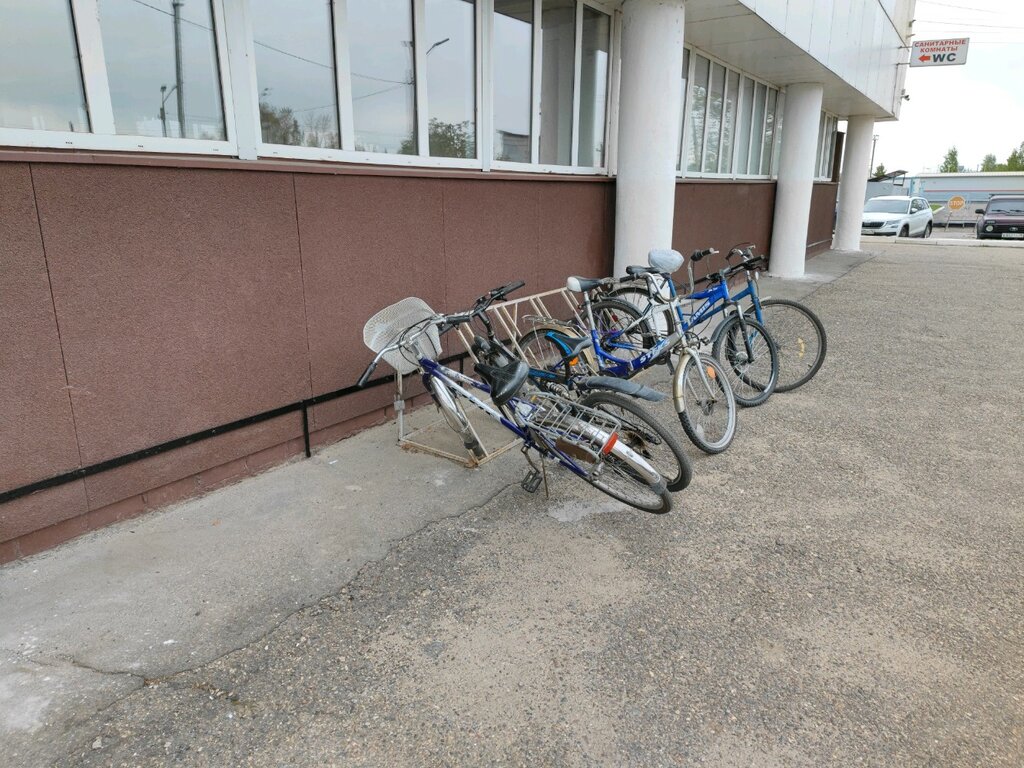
532,481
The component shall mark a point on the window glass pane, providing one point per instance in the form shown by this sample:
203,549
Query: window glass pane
729,122
40,83
821,140
295,72
686,72
716,97
451,77
513,69
383,80
558,51
698,103
756,129
769,133
746,109
162,68
593,86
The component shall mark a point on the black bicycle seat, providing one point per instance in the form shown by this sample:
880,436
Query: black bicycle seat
504,380
636,269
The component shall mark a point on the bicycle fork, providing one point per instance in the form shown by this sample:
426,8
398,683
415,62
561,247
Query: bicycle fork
678,383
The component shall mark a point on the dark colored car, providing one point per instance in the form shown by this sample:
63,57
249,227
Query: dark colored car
1001,219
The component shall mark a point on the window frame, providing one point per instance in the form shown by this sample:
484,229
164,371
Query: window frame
236,67
828,128
101,136
687,127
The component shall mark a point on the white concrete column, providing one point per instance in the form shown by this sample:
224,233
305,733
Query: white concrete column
853,183
797,159
650,103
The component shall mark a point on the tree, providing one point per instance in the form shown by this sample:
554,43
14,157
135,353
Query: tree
1015,162
446,140
880,170
279,125
989,164
951,163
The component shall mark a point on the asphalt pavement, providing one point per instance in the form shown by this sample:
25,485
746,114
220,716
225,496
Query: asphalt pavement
841,587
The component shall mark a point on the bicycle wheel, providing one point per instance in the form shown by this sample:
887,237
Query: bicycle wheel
661,318
573,434
541,352
642,432
622,331
752,365
800,338
705,403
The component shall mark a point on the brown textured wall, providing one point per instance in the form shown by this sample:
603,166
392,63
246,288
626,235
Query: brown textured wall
720,214
178,299
823,211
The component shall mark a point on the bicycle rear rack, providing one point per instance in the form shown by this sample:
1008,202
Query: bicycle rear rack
511,319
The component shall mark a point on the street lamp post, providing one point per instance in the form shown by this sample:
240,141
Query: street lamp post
165,94
179,66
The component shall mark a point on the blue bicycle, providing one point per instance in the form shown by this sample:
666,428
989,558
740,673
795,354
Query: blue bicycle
611,344
797,331
583,440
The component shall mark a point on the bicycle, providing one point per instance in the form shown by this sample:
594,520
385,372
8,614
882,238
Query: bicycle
749,350
701,393
640,429
585,441
798,333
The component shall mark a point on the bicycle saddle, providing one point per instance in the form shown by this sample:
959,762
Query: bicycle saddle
582,284
504,380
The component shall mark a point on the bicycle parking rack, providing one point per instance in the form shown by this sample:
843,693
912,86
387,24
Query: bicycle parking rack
511,319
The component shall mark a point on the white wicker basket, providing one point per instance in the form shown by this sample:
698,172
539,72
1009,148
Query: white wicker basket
384,328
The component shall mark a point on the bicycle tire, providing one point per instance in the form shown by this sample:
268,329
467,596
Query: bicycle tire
800,337
644,433
455,416
543,354
612,316
636,295
751,383
611,474
695,404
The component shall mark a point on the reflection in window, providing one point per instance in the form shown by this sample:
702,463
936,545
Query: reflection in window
685,107
593,86
729,121
716,94
295,73
756,129
746,109
513,68
162,67
558,51
698,106
769,133
383,80
40,83
451,81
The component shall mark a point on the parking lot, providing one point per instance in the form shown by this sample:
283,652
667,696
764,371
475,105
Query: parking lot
841,587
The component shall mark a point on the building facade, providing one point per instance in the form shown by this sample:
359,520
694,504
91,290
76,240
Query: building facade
201,201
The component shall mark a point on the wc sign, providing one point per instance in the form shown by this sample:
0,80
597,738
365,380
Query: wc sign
939,53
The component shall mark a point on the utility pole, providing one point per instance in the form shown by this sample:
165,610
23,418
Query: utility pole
179,66
871,165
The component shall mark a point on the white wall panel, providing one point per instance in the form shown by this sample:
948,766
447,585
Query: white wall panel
798,22
821,29
772,11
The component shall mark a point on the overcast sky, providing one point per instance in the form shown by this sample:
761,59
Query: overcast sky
979,107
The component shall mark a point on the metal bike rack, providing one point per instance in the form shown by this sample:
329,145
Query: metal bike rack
509,319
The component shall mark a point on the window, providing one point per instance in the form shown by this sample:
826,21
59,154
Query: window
513,79
732,122
683,82
558,64
378,81
383,76
826,145
162,68
597,30
451,77
294,52
40,82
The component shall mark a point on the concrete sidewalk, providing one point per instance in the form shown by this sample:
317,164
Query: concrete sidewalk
841,586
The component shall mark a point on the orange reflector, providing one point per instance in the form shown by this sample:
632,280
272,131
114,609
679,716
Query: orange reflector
610,444
711,373
574,361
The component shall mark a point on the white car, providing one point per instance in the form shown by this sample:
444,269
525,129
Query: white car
897,215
